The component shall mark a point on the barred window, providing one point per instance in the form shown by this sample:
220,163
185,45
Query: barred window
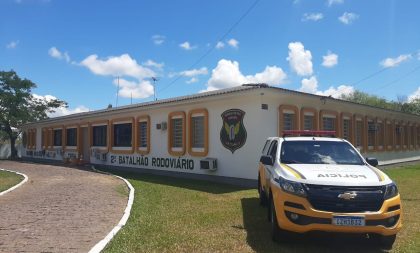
177,132
99,136
289,120
328,123
346,129
358,132
122,135
142,133
71,137
58,137
398,134
197,128
380,133
308,122
371,133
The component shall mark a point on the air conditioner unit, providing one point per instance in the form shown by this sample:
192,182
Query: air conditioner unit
208,164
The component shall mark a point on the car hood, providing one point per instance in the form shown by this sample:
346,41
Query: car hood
336,174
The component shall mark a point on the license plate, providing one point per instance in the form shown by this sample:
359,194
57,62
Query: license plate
357,221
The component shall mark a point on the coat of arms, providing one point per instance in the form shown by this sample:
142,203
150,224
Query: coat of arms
233,132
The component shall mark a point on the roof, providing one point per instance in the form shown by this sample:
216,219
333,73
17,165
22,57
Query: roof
237,89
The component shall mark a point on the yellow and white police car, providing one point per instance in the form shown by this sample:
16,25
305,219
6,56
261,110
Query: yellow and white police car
315,183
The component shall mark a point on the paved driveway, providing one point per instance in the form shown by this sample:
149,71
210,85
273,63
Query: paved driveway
59,209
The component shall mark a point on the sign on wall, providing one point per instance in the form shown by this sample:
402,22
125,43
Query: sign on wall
233,132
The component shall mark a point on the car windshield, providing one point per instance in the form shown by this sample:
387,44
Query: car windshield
319,152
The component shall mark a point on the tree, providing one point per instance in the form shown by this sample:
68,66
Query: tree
18,106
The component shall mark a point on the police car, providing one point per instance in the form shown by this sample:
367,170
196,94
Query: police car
314,183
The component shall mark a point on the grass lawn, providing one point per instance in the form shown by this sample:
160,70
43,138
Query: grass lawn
181,215
8,179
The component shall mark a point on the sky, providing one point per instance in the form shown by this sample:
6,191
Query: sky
87,52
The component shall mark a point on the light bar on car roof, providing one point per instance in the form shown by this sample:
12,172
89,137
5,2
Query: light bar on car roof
308,133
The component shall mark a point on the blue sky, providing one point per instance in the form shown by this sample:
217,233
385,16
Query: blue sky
77,50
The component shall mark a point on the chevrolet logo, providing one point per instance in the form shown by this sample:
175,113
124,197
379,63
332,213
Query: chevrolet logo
347,195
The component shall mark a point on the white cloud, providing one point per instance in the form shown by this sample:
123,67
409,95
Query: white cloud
12,44
330,60
158,39
348,17
233,43
194,72
394,62
309,85
220,45
122,65
312,16
332,2
227,74
187,46
414,95
61,111
128,89
192,80
300,60
153,64
337,92
55,53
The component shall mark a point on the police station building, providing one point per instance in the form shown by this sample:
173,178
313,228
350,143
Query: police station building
217,135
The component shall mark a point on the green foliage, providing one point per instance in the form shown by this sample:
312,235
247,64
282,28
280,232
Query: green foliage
18,106
401,105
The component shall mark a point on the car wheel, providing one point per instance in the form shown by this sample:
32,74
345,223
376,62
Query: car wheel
261,192
386,242
277,234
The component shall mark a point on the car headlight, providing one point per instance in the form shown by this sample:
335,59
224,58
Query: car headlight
292,187
391,190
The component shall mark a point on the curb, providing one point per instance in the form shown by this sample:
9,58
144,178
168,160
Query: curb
25,179
102,243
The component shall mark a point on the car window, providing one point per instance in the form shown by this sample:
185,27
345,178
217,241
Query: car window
266,145
273,150
319,152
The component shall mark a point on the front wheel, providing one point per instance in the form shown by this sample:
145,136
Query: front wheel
261,192
277,234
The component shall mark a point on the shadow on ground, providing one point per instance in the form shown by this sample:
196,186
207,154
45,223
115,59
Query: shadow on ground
259,239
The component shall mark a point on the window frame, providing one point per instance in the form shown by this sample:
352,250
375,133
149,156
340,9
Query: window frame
93,124
198,151
405,135
356,118
306,110
173,150
335,115
68,148
142,150
380,134
398,124
122,150
349,116
369,119
286,107
53,137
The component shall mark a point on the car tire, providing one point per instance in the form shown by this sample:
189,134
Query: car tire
261,192
386,242
277,234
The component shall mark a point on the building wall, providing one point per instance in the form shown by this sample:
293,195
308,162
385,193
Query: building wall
241,163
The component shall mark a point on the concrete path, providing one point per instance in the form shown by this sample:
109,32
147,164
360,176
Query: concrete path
59,209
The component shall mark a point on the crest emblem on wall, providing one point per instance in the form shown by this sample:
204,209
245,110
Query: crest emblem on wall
233,132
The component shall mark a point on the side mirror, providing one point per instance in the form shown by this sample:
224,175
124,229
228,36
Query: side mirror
266,160
372,161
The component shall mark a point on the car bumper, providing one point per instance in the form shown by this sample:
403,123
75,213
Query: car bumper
310,219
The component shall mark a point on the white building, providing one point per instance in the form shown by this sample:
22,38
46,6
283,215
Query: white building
224,130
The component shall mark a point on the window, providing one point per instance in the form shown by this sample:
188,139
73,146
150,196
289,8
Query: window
123,135
288,118
198,132
398,135
371,134
71,137
143,134
308,119
58,137
273,150
406,134
346,129
99,136
329,121
380,137
358,134
389,131
176,136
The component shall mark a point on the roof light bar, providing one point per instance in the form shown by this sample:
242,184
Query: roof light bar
308,133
